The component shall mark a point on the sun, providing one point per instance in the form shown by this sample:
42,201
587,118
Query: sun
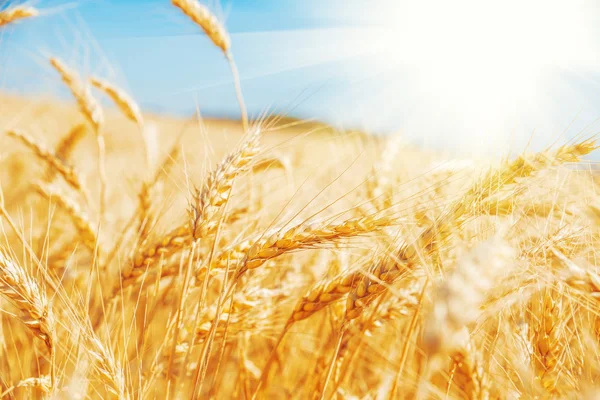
473,74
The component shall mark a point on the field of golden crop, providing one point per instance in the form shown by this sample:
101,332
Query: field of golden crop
148,257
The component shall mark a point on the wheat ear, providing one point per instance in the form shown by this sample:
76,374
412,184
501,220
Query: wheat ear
211,199
305,236
17,13
25,293
81,92
42,383
127,105
67,172
21,289
469,373
324,294
108,368
382,274
67,143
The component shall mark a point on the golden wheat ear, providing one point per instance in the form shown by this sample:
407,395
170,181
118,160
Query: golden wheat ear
16,14
126,104
81,92
206,20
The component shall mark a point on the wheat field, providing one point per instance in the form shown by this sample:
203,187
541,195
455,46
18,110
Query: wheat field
150,257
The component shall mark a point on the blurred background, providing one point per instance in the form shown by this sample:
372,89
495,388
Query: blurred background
471,77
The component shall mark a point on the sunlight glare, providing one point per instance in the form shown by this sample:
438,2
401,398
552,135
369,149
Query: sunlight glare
487,65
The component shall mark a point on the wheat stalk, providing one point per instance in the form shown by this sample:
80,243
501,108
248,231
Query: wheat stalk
92,111
217,33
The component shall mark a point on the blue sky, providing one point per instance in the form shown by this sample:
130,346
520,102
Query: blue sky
331,61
